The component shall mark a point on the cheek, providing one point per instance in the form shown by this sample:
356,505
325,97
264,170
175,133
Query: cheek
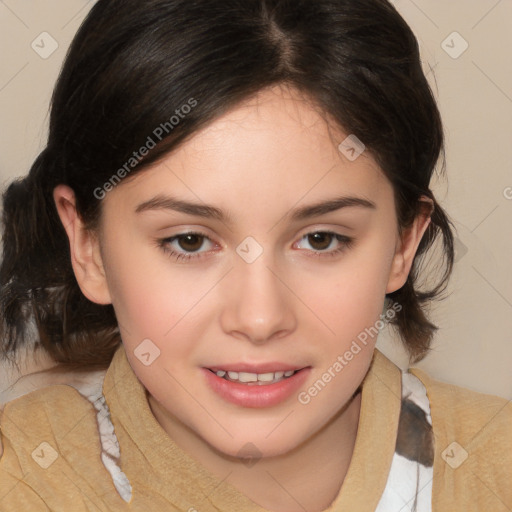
149,297
348,297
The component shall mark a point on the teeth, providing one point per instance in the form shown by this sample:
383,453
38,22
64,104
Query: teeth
246,377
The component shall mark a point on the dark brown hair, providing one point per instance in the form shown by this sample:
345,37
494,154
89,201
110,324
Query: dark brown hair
133,63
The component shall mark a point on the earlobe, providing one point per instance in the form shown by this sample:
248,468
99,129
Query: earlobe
406,249
84,247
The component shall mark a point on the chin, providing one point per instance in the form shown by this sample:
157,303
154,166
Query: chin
246,447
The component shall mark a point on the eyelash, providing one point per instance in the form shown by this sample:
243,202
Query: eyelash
346,244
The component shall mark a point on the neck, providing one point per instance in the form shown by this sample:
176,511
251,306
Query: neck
282,483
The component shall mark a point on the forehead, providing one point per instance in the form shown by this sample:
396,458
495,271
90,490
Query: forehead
276,146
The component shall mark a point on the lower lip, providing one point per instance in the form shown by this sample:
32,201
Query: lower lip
265,395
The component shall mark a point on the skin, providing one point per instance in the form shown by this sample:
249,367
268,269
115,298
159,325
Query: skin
293,304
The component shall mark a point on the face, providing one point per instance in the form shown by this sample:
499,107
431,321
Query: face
257,284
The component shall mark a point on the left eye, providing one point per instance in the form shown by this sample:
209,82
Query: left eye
192,242
322,240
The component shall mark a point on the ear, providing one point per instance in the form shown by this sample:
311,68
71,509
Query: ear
84,246
407,246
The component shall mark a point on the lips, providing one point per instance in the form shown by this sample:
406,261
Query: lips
263,385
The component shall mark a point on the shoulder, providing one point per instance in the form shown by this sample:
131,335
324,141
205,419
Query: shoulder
46,411
462,410
473,446
46,433
50,412
39,390
52,409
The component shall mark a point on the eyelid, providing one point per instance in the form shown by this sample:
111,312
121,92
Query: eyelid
323,228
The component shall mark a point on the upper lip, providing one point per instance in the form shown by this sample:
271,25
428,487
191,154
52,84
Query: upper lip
270,367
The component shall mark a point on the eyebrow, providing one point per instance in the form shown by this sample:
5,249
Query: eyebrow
161,202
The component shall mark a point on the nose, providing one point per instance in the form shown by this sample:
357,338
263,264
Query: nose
258,304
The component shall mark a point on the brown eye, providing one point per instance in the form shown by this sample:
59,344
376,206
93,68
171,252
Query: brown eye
185,246
320,241
190,242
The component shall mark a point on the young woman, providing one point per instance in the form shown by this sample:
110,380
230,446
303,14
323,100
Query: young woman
233,200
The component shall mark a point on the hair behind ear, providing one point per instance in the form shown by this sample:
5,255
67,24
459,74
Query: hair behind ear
37,284
414,328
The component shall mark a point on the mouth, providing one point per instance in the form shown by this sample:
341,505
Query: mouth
257,386
254,379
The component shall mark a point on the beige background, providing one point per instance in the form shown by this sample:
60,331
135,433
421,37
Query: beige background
474,345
